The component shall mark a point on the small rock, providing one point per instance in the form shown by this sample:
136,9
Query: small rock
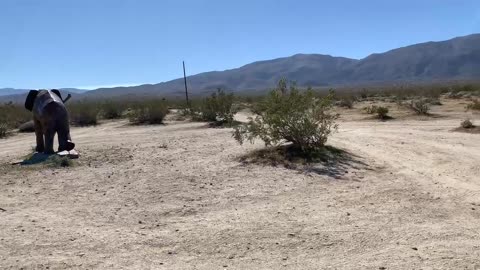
414,248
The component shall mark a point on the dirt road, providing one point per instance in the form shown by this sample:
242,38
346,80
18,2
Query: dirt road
175,197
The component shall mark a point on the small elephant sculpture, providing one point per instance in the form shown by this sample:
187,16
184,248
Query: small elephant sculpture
49,117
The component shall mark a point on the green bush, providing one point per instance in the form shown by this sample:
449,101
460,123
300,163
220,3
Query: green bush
148,112
112,110
218,108
382,112
288,115
83,114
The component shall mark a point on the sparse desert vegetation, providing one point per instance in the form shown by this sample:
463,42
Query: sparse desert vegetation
382,112
12,115
83,113
217,109
148,112
158,181
474,105
207,135
420,106
3,129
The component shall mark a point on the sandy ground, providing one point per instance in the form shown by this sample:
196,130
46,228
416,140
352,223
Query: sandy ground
175,197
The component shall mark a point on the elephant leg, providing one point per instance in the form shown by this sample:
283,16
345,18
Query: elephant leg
49,136
39,135
63,130
64,140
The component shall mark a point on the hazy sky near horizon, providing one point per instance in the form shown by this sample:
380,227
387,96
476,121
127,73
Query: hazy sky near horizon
93,43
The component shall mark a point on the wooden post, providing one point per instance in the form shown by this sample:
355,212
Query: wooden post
185,80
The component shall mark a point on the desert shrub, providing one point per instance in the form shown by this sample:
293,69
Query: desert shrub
475,105
83,114
112,110
364,93
13,115
419,106
148,112
371,109
382,112
3,130
434,101
345,103
467,124
288,115
218,108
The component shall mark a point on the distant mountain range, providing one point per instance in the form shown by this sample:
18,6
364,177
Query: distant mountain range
454,59
19,95
13,91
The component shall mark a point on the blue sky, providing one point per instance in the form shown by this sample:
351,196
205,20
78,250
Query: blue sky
90,43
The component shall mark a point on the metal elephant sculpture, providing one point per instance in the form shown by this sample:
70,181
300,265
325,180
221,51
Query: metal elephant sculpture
49,117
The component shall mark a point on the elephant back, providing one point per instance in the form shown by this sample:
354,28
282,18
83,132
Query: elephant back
45,97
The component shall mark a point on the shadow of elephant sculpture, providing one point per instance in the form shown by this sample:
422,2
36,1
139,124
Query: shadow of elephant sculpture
39,157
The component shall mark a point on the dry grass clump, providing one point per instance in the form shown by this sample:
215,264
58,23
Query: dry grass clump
382,113
57,161
3,130
371,109
345,103
475,105
419,106
467,124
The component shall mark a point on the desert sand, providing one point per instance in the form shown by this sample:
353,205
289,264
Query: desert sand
175,196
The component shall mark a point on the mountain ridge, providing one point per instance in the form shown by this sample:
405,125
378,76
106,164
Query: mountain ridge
454,59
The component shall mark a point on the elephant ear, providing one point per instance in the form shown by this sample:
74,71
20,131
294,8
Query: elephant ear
32,95
57,93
